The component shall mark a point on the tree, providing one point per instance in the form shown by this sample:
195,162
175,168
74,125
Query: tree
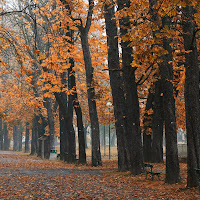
133,136
116,84
166,78
192,105
1,133
84,30
27,148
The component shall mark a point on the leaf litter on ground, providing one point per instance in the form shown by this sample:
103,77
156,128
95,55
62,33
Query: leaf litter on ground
29,177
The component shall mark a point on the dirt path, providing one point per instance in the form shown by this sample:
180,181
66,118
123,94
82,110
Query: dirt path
25,177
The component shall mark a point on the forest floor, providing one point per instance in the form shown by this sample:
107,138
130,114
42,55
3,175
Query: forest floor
28,177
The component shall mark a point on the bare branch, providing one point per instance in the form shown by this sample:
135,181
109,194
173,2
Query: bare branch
89,16
13,12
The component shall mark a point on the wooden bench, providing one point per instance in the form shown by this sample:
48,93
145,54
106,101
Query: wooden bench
149,170
198,175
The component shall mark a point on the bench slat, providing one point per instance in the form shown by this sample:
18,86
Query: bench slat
147,165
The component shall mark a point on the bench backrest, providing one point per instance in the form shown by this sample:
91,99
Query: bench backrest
147,165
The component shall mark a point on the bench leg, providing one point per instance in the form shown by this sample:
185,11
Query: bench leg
152,177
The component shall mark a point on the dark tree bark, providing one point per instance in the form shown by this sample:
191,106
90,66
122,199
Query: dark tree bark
1,134
14,138
27,148
192,105
47,147
157,125
71,136
41,134
48,106
85,135
62,135
6,139
153,126
116,85
20,136
67,133
147,130
166,73
34,141
77,108
96,154
67,137
133,136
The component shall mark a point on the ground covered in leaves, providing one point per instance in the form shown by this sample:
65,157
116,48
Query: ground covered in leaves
28,177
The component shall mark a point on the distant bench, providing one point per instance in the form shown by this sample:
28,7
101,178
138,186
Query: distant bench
149,170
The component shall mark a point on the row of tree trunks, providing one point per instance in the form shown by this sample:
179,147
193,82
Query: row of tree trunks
17,136
4,139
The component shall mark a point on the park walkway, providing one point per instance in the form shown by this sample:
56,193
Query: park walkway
28,177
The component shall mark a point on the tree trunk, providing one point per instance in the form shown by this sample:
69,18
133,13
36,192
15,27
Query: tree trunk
6,139
27,148
71,135
41,131
20,136
48,106
166,72
14,138
116,86
192,105
34,141
85,135
133,137
67,137
157,126
1,134
153,126
77,108
147,127
62,135
96,154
